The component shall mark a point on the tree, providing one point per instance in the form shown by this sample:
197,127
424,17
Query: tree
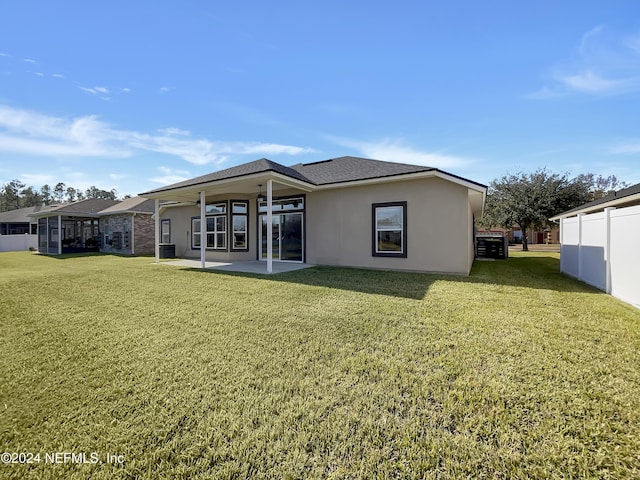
600,186
31,197
71,194
95,192
58,191
530,199
11,195
45,193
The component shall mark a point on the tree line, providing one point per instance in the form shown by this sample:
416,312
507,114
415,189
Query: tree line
15,194
528,200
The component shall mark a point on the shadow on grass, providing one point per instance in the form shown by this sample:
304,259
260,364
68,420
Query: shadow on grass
531,271
71,256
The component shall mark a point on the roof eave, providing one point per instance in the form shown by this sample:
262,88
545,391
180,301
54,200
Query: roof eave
598,207
279,177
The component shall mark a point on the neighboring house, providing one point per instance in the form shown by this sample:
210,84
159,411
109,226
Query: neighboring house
344,211
127,227
18,230
599,243
547,235
96,225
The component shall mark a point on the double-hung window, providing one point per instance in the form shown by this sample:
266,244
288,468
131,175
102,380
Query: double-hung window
389,229
165,231
239,225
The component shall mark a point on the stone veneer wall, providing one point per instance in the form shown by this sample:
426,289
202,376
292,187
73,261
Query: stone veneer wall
114,224
145,234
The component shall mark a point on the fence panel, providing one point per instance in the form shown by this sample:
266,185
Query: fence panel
15,243
569,246
592,250
625,255
603,249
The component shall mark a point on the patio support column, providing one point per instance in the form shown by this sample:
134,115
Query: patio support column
269,226
203,230
157,229
59,234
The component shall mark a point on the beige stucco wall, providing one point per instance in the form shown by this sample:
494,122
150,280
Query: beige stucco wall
339,226
181,231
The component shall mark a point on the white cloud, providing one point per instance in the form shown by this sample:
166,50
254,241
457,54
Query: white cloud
165,89
394,150
28,60
591,82
95,90
125,90
170,175
36,178
31,133
57,75
118,176
604,63
630,146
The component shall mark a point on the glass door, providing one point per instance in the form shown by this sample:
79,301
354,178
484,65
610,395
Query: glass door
287,239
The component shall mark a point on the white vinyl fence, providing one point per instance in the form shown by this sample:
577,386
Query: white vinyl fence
15,243
603,249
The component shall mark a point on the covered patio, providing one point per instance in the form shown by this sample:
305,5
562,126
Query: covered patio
253,266
252,211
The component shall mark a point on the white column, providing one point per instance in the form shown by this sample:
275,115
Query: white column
59,234
607,251
157,228
203,230
269,226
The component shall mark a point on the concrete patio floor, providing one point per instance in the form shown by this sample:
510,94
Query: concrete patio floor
253,266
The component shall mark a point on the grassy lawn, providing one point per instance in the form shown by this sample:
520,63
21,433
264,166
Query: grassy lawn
513,372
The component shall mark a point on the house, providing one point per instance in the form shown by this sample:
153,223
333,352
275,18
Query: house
96,225
127,227
344,211
599,243
18,230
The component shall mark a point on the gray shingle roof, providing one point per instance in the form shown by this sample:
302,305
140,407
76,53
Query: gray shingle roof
89,206
134,204
325,172
257,166
20,215
347,169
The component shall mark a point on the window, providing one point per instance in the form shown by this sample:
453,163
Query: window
390,229
215,228
165,235
239,223
195,232
294,203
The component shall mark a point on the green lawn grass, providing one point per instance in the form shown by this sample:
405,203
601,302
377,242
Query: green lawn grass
513,372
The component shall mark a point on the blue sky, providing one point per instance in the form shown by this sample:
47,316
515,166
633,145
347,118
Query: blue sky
135,95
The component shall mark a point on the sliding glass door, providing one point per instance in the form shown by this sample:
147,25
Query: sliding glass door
287,237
